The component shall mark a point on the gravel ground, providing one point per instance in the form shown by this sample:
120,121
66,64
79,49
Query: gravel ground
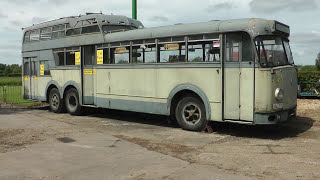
286,151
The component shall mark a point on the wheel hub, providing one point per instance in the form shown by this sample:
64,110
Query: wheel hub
191,114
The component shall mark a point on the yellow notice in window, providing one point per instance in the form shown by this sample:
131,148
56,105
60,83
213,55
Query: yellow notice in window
26,78
35,78
77,58
41,69
99,56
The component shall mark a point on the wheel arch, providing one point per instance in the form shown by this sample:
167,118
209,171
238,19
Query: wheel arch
180,90
50,85
71,84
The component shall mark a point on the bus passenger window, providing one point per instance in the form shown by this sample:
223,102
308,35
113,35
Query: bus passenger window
195,53
150,54
45,70
212,51
172,53
121,55
59,57
106,58
70,58
58,31
45,33
27,37
90,29
137,54
35,35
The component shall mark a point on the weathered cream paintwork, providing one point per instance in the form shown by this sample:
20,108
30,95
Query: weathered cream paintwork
266,84
156,84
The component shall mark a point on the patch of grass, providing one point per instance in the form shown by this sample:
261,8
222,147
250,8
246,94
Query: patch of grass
10,81
14,96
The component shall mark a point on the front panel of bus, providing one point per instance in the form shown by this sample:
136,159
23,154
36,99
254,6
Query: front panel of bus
275,80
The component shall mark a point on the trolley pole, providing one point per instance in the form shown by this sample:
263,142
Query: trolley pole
134,9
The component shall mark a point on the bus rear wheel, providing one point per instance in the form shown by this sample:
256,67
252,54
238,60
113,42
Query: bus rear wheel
191,114
55,101
72,102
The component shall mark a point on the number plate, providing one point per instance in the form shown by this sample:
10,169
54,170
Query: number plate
277,106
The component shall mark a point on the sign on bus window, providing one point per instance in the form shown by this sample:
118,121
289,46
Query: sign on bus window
77,58
100,56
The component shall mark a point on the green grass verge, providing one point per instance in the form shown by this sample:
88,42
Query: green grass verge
10,81
14,96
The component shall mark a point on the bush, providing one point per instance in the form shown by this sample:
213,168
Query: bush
15,75
308,79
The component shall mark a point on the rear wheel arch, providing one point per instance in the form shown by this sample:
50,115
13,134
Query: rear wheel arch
71,84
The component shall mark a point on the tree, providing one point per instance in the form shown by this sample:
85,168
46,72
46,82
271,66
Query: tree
318,62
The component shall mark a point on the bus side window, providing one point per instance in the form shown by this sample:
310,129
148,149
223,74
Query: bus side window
106,58
195,52
27,37
58,55
172,52
212,51
121,55
138,54
44,68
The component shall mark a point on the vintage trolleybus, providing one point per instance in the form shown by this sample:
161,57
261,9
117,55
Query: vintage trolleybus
232,70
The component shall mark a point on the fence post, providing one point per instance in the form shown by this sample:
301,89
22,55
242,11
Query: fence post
5,94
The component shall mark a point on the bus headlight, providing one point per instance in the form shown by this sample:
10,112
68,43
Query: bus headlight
278,94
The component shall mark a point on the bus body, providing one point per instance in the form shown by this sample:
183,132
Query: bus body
233,70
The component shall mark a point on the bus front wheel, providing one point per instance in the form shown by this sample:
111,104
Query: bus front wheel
72,102
55,101
191,114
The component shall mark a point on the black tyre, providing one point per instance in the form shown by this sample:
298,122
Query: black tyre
55,101
72,102
191,114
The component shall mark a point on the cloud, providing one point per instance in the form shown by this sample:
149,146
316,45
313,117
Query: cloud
270,6
36,20
20,2
225,5
307,39
159,18
3,15
220,6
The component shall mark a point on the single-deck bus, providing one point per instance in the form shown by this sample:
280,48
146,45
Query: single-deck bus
238,70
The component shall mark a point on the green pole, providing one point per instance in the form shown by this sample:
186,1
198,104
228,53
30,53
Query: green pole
134,9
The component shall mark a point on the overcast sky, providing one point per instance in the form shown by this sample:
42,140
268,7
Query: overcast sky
301,15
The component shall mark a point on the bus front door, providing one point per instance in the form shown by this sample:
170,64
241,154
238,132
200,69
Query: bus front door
34,78
88,73
238,78
231,77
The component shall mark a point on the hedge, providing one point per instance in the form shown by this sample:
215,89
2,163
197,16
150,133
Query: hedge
308,79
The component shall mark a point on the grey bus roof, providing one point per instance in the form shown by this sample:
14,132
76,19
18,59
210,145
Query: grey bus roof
100,18
254,27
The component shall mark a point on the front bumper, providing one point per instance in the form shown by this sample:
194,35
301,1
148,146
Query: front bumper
274,118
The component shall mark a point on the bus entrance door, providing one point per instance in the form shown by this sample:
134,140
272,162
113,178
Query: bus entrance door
34,78
231,78
88,73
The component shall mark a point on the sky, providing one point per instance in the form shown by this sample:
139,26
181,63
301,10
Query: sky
301,15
